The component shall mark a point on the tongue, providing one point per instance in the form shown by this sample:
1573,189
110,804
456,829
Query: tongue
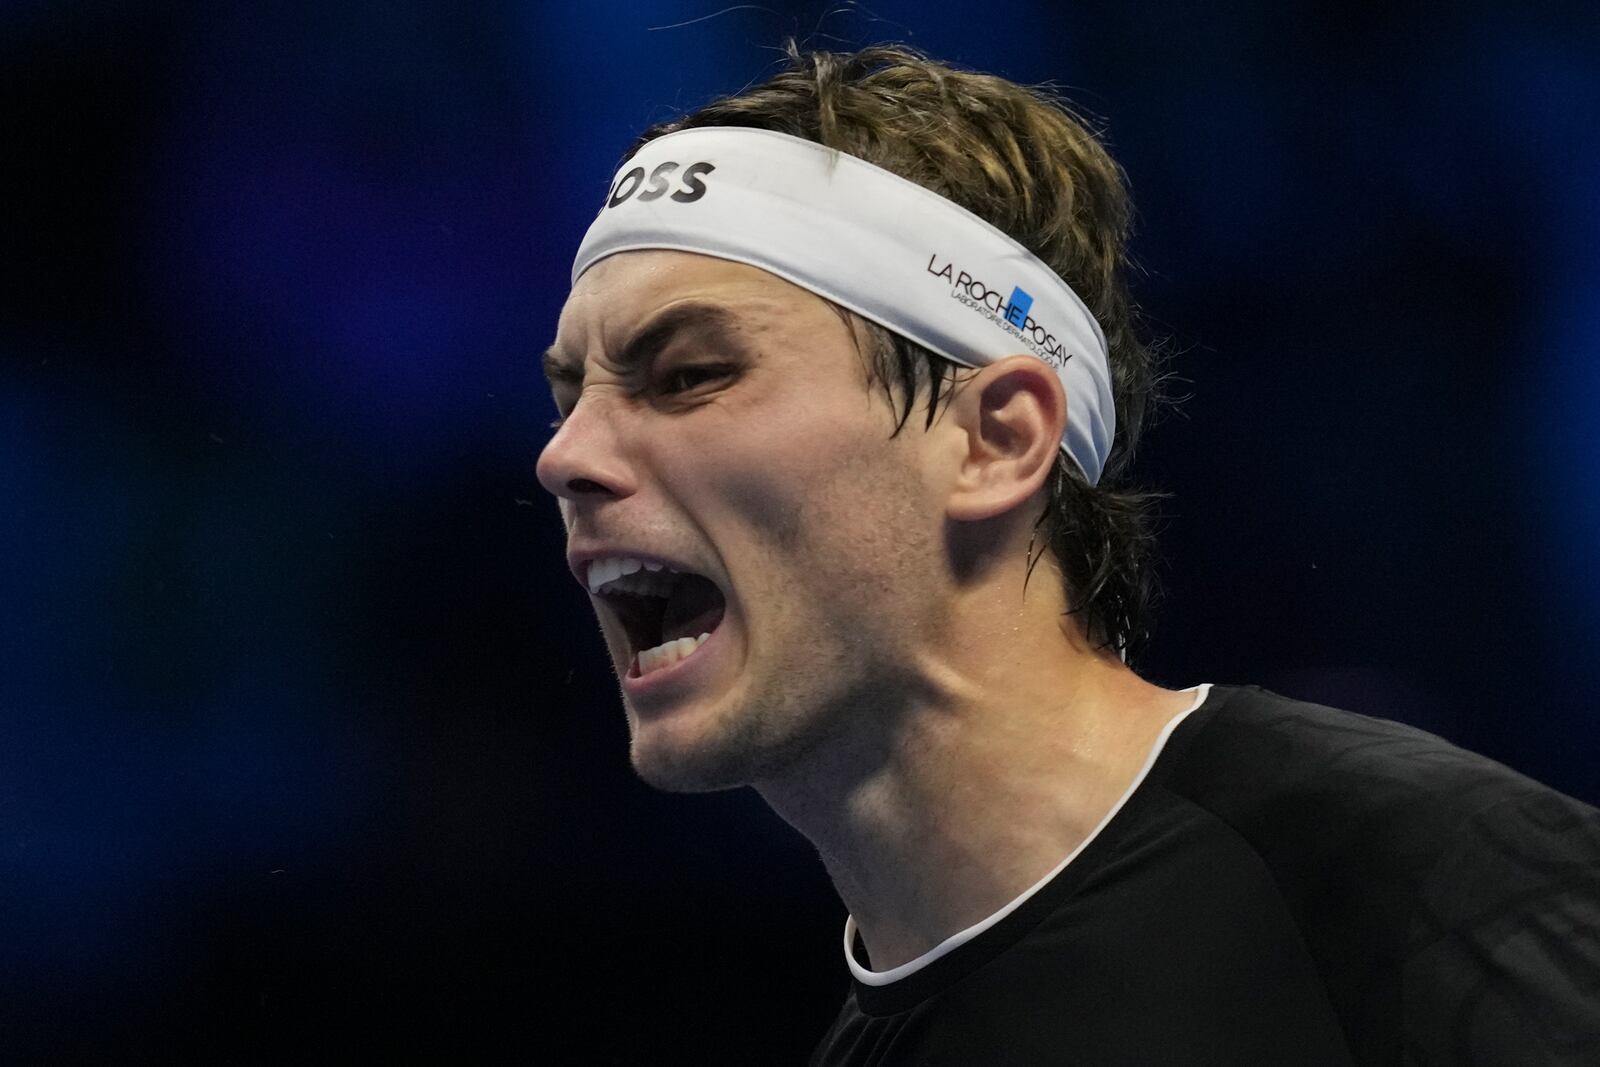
693,608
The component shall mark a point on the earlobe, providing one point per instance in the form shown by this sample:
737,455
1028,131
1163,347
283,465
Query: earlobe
1012,414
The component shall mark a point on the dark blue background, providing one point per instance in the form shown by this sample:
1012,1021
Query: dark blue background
308,747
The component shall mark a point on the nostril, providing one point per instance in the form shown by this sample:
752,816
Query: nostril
589,470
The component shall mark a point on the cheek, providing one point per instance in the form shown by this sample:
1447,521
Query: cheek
805,479
843,513
768,505
777,461
805,487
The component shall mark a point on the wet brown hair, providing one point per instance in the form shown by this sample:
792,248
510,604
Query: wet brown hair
1023,160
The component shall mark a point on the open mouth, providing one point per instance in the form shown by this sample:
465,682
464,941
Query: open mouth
666,615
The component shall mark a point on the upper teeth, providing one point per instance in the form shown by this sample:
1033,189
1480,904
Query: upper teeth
628,575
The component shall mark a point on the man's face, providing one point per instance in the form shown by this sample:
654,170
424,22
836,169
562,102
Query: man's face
723,425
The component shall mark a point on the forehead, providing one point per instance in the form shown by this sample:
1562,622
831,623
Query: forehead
623,294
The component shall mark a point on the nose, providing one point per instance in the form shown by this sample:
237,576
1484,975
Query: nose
582,461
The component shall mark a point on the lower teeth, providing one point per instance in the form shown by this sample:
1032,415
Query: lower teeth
668,653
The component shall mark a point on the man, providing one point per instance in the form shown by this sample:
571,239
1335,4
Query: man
914,645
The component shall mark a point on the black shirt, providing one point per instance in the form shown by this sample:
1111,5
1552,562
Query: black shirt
1289,884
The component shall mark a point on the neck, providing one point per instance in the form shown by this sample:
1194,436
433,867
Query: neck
1004,763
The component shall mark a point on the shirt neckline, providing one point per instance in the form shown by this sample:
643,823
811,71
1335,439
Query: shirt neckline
950,944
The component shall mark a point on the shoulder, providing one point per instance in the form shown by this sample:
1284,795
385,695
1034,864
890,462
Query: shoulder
1257,758
1447,898
1341,803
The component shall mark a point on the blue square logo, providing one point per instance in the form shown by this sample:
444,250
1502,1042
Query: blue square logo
1017,307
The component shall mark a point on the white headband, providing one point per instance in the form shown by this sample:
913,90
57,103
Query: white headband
871,241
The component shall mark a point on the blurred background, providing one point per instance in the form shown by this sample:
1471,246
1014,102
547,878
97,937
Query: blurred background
309,750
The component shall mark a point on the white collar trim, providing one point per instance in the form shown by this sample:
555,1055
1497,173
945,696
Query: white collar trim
955,941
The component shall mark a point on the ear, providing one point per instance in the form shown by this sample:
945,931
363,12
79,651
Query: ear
1013,413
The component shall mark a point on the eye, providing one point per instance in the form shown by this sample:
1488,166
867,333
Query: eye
677,380
682,379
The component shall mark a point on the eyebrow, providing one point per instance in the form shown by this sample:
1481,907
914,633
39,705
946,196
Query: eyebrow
645,345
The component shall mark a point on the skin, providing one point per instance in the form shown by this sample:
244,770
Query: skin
942,736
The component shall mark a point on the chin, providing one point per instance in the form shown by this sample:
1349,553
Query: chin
683,755
687,768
